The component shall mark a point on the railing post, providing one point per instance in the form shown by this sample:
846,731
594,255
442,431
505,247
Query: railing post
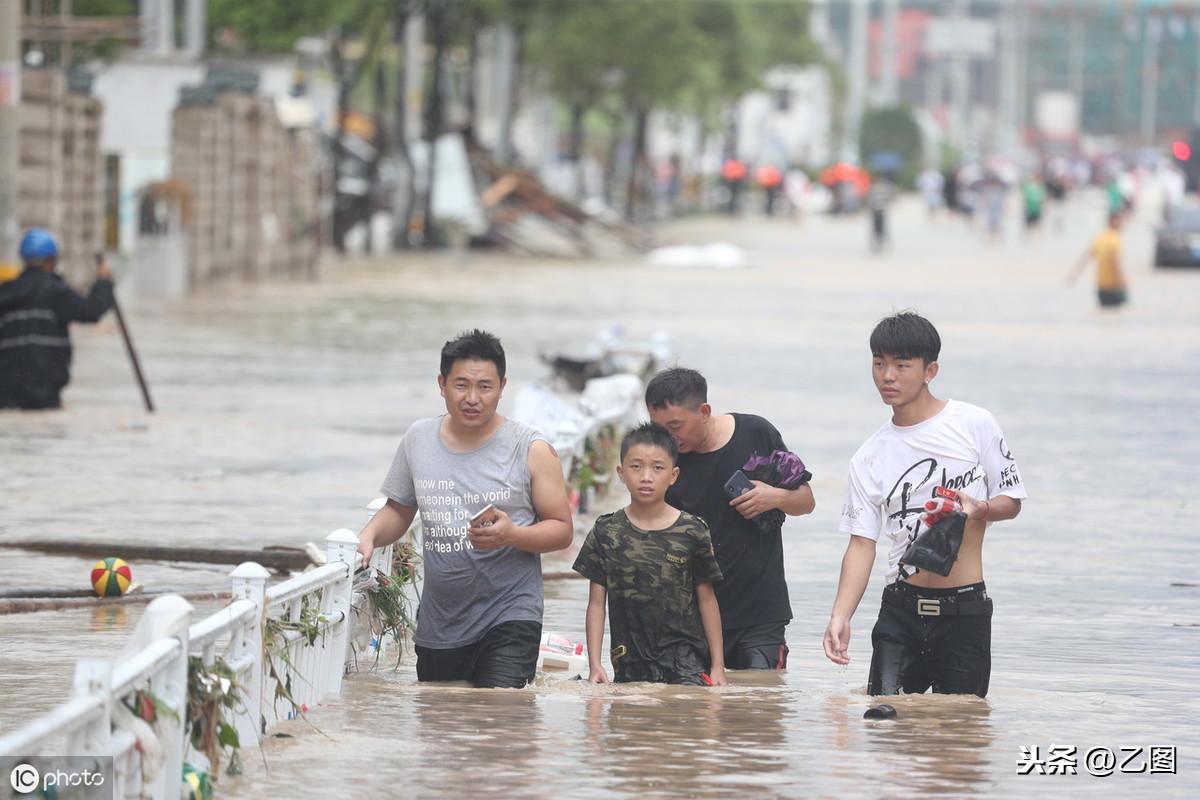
250,583
381,557
93,677
341,546
171,686
381,561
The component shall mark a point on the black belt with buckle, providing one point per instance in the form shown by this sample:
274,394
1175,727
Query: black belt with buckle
937,607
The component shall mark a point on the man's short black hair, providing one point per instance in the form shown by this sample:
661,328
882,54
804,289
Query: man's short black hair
906,335
474,345
677,386
653,435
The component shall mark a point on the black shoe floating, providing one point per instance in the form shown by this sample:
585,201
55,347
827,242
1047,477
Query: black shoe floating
883,711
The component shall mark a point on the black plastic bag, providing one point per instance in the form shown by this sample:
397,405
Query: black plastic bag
936,549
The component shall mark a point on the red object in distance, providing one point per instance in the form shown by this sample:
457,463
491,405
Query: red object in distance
1181,150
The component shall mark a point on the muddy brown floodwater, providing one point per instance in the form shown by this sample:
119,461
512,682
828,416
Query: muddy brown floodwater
281,405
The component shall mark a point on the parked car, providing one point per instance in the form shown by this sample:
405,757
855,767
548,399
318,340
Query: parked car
1177,241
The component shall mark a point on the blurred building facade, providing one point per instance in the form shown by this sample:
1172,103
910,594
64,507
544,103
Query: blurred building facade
1132,66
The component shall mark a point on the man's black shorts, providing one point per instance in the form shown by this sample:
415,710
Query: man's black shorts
505,658
756,647
1110,298
932,638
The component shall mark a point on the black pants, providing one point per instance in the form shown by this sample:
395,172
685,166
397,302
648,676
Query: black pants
653,673
756,647
29,398
505,658
1110,298
941,649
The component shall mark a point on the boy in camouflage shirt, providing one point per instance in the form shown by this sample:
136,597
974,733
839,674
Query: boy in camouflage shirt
655,566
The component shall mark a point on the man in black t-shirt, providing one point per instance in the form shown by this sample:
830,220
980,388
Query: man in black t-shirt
753,597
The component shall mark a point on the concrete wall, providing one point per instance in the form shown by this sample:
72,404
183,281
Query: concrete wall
61,178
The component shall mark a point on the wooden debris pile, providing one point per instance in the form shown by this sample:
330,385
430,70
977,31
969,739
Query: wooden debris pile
526,217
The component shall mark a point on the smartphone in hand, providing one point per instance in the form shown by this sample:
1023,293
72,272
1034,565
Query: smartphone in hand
738,484
485,517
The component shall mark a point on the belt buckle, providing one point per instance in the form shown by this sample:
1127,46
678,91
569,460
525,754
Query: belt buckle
928,607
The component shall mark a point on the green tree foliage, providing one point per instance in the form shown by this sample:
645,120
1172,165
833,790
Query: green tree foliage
273,26
568,42
104,8
632,56
892,128
782,28
696,55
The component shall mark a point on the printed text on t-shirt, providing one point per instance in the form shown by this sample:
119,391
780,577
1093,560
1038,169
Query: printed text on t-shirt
445,512
921,472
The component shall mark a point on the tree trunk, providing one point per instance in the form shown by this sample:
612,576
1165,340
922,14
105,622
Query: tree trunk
696,169
402,210
610,166
514,96
433,113
575,146
370,203
637,162
731,135
470,101
340,202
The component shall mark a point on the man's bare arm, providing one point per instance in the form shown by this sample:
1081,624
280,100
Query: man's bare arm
553,530
999,508
856,572
1079,267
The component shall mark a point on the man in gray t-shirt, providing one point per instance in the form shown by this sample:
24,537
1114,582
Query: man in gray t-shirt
492,499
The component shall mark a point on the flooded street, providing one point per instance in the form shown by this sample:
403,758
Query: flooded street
281,405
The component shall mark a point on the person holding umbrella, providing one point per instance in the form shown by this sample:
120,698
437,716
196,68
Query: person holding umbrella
848,183
36,309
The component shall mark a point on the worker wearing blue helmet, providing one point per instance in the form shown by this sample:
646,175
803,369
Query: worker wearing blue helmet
35,310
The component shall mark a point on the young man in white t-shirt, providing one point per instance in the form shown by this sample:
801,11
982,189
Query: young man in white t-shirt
933,631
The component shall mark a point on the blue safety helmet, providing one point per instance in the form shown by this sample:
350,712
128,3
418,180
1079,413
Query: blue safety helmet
38,244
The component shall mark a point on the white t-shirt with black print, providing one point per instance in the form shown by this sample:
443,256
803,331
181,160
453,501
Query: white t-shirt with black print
897,469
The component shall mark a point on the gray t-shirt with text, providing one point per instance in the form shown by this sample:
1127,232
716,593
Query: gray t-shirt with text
467,592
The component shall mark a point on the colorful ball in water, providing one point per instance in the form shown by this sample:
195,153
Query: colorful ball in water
111,577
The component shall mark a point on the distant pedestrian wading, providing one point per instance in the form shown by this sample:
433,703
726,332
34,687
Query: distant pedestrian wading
36,309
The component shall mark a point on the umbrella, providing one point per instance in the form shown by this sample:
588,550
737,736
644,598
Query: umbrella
845,172
886,161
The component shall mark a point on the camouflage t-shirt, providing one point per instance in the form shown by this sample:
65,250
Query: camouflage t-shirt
651,578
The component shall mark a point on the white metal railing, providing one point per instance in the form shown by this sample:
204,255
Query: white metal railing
94,721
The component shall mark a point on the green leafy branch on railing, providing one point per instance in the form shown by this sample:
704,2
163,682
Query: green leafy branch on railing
212,697
391,602
310,624
148,706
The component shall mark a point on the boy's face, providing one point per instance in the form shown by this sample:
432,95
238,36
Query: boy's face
686,425
647,470
900,381
472,392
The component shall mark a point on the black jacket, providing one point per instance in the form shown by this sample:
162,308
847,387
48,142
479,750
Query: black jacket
35,351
